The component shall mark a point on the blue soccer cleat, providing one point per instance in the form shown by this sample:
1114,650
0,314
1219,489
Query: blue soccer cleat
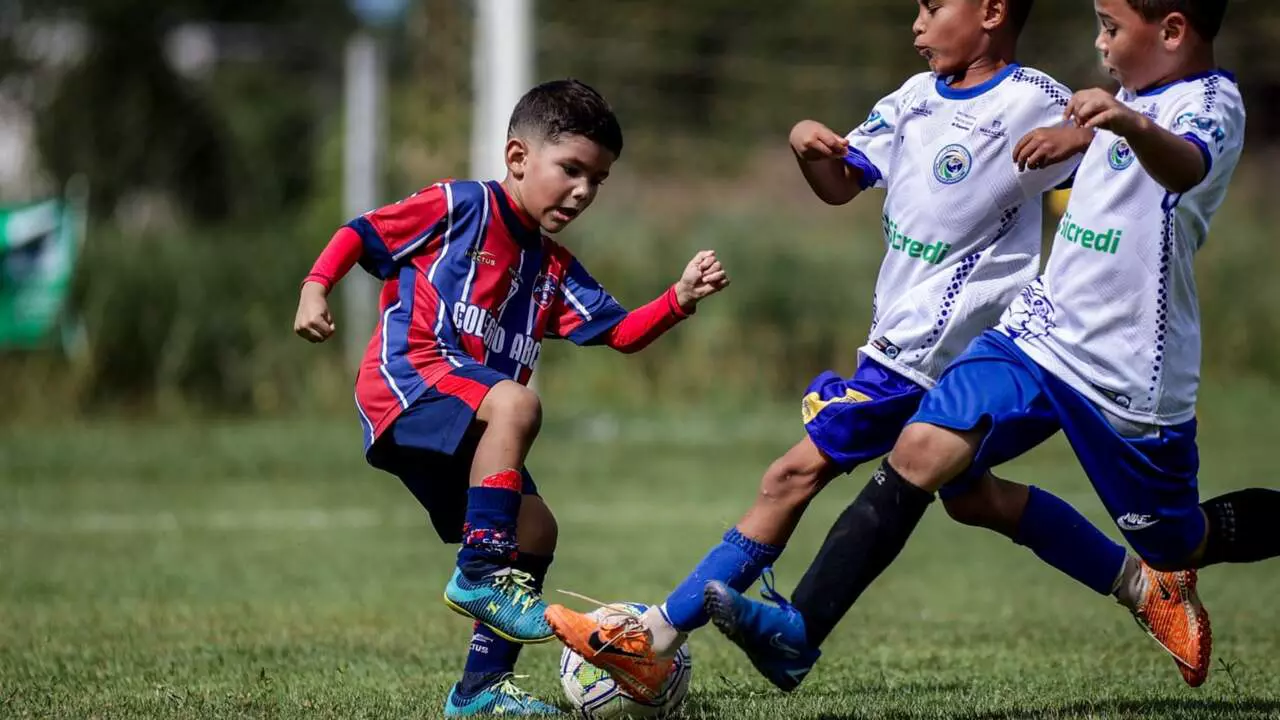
505,600
500,698
772,636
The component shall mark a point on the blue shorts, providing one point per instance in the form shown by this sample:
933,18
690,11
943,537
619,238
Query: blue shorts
430,449
1148,485
858,419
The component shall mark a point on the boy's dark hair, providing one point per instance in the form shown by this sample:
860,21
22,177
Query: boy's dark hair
1204,16
560,108
1019,11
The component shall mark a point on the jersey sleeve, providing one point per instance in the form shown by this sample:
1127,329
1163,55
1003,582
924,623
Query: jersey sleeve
871,143
583,311
1213,120
392,234
1040,104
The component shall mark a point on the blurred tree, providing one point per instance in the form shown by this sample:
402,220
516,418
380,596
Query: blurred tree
743,73
124,118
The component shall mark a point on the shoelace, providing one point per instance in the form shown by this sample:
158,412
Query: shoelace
508,687
616,617
518,586
768,592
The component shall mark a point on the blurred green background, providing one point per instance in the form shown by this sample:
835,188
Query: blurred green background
210,134
187,525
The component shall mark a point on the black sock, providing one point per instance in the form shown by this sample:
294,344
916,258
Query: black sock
1244,526
863,542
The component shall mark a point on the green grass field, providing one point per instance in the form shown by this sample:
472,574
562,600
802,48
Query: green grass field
261,570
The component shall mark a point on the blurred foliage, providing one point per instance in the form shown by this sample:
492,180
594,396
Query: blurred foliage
195,311
696,80
238,145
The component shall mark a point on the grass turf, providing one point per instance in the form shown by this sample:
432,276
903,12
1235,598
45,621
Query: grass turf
259,569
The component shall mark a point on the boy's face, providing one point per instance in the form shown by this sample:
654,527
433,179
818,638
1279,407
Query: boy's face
950,33
1136,52
556,180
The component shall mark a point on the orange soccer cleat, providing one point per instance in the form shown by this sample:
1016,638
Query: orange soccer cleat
1171,613
617,643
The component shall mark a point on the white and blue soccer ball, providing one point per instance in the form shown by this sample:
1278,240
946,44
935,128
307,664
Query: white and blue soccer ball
595,696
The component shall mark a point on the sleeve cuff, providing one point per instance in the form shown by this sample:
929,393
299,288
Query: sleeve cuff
674,305
1204,151
870,173
327,282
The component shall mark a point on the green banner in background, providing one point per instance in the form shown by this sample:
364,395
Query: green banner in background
39,245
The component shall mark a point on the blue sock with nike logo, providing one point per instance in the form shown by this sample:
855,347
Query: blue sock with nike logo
1059,535
737,562
490,656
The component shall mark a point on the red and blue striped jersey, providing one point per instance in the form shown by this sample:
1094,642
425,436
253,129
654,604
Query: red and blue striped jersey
467,279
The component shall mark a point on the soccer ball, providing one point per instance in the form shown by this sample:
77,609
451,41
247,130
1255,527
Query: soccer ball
597,697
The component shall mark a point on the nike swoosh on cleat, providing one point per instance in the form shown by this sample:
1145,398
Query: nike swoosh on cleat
798,674
775,641
599,646
1164,591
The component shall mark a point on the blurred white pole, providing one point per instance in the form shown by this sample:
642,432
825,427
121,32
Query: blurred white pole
364,90
502,70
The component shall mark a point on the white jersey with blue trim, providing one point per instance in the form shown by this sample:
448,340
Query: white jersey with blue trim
961,223
1115,314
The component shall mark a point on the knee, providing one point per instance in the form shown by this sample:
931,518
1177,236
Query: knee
514,406
787,483
930,456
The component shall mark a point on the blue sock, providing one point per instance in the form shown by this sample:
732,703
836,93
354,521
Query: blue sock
1059,535
489,534
490,656
737,562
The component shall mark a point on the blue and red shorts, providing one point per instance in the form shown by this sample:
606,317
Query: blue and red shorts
431,444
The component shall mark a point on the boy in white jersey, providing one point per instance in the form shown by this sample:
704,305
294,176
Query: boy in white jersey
962,229
1104,346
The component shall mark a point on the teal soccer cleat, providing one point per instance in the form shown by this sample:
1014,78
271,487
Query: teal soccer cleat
505,600
500,698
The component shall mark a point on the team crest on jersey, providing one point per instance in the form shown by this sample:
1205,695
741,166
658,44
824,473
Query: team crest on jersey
544,289
952,164
1120,156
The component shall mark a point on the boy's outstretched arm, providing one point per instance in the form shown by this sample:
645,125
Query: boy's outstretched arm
1043,147
821,152
1175,162
702,277
313,321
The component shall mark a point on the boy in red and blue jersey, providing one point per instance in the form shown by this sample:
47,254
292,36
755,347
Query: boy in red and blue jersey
471,287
